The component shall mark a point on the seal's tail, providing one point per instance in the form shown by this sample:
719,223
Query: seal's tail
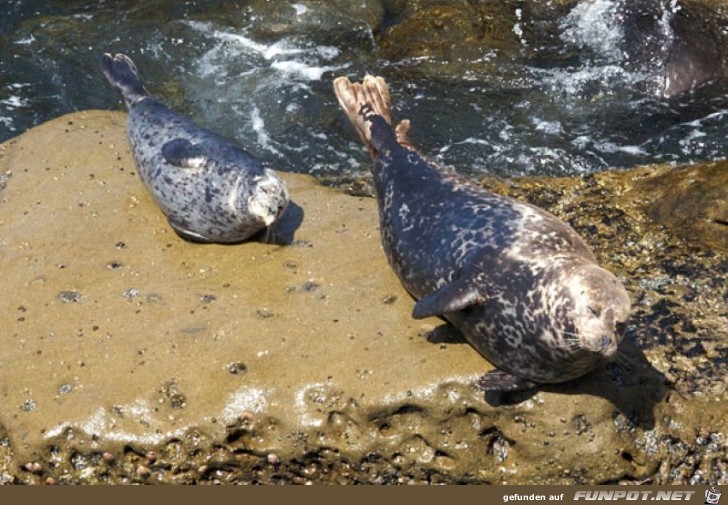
363,103
122,74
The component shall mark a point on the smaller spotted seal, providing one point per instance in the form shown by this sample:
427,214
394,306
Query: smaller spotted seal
521,285
209,189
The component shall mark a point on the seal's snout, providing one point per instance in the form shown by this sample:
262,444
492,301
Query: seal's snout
607,346
269,199
602,307
606,341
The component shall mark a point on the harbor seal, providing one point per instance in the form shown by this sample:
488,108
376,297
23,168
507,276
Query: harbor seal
210,189
684,45
520,285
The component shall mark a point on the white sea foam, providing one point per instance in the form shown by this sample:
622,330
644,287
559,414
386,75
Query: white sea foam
233,44
585,143
259,127
300,9
26,41
549,127
693,142
467,141
300,69
715,116
517,28
11,103
595,24
14,102
586,80
308,414
611,147
103,421
7,122
247,399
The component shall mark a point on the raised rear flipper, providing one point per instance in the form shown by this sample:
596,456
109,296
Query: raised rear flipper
123,75
368,105
457,295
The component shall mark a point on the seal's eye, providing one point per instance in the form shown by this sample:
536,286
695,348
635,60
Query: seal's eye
596,312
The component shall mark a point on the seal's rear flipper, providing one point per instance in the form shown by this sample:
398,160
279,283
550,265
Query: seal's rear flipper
457,295
122,74
503,382
401,131
367,104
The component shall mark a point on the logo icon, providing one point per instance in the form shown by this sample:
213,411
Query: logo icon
712,496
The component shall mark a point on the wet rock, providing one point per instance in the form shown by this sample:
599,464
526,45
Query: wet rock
451,31
340,22
692,202
342,385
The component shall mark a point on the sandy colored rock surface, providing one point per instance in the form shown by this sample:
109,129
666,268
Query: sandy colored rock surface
122,333
129,355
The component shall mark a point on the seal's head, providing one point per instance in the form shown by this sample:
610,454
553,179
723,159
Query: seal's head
601,309
269,197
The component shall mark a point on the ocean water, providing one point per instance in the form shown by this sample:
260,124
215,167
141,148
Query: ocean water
561,100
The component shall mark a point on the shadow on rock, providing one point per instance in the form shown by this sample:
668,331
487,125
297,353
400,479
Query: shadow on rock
284,230
280,233
630,383
446,334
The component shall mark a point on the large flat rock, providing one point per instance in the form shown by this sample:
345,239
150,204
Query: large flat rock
129,354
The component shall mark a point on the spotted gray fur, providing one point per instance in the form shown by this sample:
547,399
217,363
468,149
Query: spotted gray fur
521,285
210,189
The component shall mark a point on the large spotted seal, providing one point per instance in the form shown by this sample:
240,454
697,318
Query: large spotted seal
521,285
209,189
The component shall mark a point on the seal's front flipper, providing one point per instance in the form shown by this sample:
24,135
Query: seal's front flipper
503,382
452,297
188,235
182,153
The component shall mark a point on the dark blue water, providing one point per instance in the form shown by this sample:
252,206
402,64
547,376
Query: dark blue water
558,100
